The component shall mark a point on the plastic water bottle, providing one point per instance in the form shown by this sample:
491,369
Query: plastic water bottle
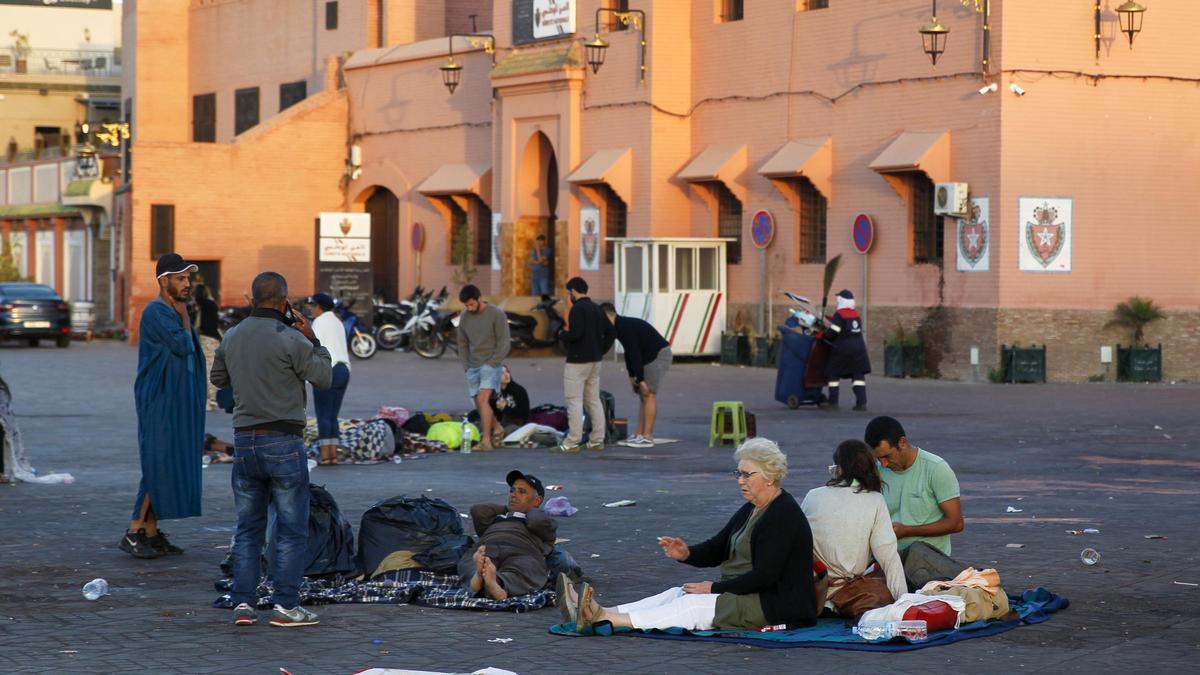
95,588
1089,556
466,436
913,631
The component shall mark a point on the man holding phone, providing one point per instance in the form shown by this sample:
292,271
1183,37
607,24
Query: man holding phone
267,363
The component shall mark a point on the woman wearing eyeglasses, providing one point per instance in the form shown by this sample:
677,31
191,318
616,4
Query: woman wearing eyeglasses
764,553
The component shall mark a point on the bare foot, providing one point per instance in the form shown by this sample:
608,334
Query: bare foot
490,583
477,578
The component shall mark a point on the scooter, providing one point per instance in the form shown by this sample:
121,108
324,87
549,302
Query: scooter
522,326
390,320
362,343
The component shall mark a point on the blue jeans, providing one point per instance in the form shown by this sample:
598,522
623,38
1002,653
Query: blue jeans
328,402
269,469
541,284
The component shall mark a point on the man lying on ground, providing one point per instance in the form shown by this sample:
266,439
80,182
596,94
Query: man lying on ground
922,495
509,558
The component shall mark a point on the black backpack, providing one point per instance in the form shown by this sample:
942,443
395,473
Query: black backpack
611,433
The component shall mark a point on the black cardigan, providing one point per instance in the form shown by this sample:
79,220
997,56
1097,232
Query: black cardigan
781,550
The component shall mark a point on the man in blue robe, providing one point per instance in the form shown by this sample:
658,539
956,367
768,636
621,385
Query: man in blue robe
169,393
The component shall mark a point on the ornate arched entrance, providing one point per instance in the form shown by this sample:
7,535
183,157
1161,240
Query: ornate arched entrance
384,208
537,207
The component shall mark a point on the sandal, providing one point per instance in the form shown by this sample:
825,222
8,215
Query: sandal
583,622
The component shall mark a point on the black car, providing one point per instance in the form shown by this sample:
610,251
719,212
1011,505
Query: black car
34,312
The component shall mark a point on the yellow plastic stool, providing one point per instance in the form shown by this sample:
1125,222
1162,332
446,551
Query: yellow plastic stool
717,430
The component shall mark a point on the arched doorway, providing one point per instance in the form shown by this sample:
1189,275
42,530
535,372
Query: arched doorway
537,208
384,208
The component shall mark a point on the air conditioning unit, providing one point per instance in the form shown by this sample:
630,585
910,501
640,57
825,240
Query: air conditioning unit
950,199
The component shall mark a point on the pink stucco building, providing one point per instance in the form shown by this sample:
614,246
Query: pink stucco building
1080,164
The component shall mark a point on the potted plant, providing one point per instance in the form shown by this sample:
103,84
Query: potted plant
903,355
1137,363
1023,364
20,50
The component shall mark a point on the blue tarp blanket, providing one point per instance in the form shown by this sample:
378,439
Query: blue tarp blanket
1033,606
402,587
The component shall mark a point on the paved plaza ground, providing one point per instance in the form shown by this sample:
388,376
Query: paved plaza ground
1118,458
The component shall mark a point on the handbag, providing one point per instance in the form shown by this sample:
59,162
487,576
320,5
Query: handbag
862,593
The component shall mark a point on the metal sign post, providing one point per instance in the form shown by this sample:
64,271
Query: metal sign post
863,235
762,233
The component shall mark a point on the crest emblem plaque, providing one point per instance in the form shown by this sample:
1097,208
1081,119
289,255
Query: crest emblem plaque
974,237
1045,234
589,239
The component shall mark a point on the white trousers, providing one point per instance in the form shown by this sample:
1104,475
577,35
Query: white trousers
673,607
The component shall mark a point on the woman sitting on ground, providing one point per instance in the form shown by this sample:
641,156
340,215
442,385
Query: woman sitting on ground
850,526
765,556
510,405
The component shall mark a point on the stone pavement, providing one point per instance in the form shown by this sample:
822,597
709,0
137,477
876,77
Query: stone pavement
1119,458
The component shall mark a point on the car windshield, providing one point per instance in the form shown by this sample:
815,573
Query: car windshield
28,292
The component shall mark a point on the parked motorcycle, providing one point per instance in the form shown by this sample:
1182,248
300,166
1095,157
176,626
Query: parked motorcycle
392,318
522,326
362,343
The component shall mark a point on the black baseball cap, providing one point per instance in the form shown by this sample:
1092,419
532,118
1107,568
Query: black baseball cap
173,263
322,300
514,476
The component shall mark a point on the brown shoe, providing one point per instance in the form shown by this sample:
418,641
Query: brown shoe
582,621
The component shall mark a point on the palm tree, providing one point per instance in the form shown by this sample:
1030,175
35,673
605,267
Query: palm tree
1136,313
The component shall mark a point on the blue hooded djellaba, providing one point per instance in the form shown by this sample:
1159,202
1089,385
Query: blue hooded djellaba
170,396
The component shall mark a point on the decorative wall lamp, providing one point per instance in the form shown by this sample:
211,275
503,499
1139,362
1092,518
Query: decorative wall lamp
933,37
452,70
1131,19
597,48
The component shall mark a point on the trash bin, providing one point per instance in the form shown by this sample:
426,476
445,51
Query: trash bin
83,314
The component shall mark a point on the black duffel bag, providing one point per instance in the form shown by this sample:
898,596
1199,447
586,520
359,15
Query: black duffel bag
430,528
330,537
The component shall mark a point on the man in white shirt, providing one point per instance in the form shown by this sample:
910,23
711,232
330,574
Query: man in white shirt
328,402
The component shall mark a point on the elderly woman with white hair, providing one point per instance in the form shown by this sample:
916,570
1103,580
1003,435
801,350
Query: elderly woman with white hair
764,553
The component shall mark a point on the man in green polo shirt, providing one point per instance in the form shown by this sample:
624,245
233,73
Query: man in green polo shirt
922,495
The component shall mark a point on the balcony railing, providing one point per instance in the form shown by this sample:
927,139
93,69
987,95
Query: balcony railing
62,62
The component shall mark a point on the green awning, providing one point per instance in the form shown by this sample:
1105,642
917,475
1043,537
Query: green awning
37,211
539,60
79,188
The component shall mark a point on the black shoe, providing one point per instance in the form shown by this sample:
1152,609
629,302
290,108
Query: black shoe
137,544
159,543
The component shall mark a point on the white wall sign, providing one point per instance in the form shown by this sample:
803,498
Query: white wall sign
353,225
495,242
337,249
589,239
553,17
974,238
1044,234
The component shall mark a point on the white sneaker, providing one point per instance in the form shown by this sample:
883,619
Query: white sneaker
632,439
640,442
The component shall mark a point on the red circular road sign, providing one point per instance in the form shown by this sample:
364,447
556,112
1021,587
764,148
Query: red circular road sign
863,233
762,229
418,236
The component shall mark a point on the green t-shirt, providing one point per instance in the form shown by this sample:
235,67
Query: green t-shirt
913,496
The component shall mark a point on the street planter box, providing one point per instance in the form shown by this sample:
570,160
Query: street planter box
1139,364
766,352
903,360
735,349
1023,364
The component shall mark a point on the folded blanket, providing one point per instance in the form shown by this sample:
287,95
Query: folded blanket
402,587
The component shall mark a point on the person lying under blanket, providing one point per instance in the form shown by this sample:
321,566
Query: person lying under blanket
509,558
764,553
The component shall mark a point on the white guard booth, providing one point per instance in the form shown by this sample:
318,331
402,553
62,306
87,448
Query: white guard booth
678,284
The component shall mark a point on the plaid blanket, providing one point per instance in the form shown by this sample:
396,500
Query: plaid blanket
402,587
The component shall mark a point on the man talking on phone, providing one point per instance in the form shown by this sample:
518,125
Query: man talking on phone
266,359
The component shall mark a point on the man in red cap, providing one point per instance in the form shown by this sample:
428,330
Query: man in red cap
169,393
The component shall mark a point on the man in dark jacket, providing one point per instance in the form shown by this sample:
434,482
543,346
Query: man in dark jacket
647,359
510,557
847,353
588,336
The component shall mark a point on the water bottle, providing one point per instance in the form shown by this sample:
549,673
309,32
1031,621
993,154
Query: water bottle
466,436
913,631
95,588
1089,556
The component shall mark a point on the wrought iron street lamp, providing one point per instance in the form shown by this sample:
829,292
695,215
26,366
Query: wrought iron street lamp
933,37
452,70
596,48
1130,14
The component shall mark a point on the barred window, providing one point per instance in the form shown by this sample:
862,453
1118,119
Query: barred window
928,230
204,118
291,93
245,109
616,218
729,221
733,10
811,221
483,233
459,249
162,230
